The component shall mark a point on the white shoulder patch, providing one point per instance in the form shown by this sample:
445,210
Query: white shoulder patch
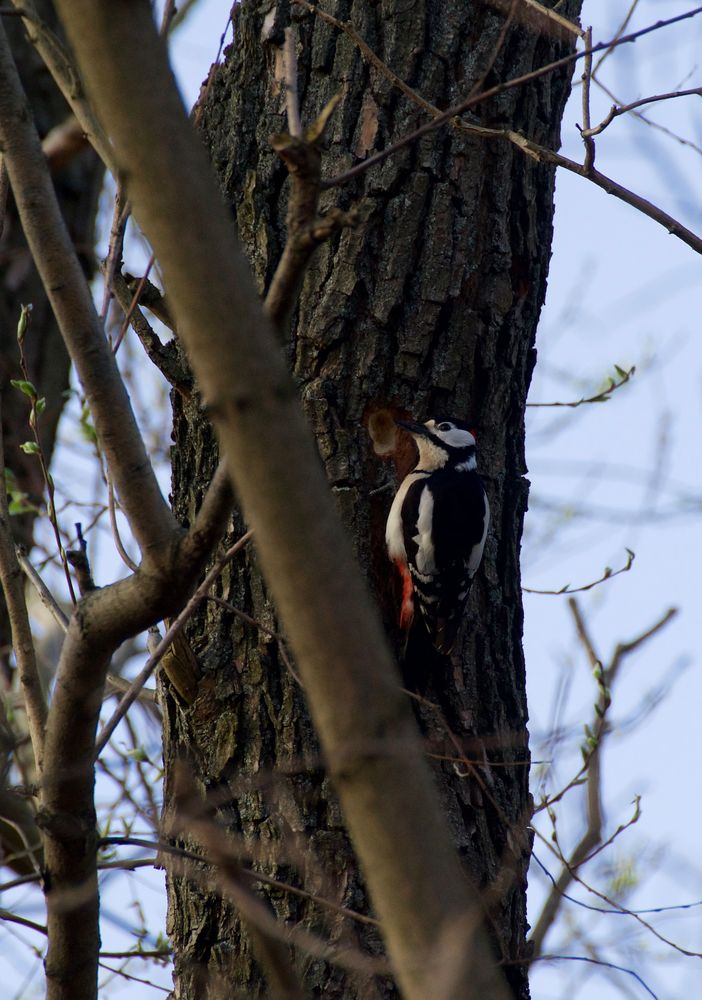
425,548
477,553
467,466
394,536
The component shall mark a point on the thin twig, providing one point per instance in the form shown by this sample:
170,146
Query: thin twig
591,838
586,79
594,961
544,155
36,408
23,645
57,60
518,81
608,574
142,677
527,146
133,304
624,910
609,910
163,954
133,979
554,16
120,217
600,397
116,536
497,48
165,359
162,846
45,595
14,918
648,121
617,110
261,627
617,35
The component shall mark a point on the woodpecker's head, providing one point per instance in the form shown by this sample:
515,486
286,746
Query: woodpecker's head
442,442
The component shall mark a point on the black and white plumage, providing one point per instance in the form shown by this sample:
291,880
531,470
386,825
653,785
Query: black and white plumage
437,526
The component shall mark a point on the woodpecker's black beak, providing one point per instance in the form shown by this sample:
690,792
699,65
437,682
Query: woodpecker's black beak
413,427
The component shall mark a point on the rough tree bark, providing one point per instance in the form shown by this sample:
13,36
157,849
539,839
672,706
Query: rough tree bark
430,304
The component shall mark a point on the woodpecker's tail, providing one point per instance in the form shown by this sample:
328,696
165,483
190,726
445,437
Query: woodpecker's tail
443,612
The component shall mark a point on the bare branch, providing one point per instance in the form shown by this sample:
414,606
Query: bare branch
112,511
612,187
590,841
151,297
586,78
596,961
242,616
210,519
22,642
161,355
15,918
78,559
150,517
45,595
527,146
600,397
500,88
554,16
616,111
306,228
617,35
120,217
59,63
608,574
147,670
648,121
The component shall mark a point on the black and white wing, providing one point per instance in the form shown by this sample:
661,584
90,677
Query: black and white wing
445,519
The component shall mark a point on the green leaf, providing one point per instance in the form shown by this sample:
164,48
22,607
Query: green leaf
620,372
86,425
26,387
19,504
30,448
40,405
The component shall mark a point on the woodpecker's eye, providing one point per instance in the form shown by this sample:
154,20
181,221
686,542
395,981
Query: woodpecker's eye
444,427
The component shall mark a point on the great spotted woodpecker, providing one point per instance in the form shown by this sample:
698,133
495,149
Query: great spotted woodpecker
437,527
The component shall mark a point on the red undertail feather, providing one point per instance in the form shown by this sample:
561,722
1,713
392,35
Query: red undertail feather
407,606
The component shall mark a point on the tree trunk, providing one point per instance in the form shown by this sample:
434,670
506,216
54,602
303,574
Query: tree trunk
428,304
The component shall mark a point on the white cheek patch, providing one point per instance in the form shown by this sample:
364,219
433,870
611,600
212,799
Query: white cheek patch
456,437
468,466
431,456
